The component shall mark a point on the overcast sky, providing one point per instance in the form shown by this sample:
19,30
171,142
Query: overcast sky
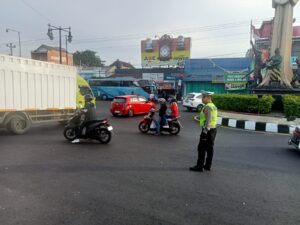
114,28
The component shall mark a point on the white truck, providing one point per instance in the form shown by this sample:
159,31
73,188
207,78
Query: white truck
35,91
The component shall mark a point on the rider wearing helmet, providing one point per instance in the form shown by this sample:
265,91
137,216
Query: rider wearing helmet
90,115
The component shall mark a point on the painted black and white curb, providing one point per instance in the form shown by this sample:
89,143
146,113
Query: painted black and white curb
254,126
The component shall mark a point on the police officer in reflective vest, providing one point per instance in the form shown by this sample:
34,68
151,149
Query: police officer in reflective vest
208,123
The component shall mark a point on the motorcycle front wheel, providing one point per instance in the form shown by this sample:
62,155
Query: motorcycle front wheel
144,127
70,133
104,136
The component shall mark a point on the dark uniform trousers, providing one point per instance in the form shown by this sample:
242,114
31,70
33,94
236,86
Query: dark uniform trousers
206,146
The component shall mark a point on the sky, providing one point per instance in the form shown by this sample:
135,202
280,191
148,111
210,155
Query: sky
115,28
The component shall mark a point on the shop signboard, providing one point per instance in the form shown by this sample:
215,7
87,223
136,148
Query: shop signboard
235,81
217,79
153,76
235,86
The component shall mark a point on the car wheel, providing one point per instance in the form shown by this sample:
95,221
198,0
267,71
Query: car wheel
104,97
130,113
199,108
189,109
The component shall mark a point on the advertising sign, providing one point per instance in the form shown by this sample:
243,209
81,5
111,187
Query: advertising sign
235,81
153,76
235,77
235,86
166,51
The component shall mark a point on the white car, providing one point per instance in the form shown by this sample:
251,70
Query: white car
193,101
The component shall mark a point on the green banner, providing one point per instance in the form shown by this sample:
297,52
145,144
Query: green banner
235,78
235,86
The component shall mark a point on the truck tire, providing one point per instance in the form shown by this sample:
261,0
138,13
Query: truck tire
18,125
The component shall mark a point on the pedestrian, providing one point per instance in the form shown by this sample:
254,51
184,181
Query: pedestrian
208,123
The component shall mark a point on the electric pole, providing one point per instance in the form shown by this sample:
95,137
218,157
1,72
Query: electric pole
11,47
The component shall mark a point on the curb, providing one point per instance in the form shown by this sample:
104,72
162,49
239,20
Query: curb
253,125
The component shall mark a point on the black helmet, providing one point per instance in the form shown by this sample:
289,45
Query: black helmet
88,98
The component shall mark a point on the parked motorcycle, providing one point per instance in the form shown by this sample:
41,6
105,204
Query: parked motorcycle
99,130
295,139
147,124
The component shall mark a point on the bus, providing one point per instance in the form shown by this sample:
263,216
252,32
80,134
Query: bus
108,88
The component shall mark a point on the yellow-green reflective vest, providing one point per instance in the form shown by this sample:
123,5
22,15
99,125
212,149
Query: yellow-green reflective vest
214,115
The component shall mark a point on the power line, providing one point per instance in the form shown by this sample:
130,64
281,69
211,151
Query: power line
37,11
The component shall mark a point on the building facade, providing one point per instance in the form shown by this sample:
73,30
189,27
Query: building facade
51,54
220,75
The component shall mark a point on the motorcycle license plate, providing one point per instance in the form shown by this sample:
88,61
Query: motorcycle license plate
110,128
117,111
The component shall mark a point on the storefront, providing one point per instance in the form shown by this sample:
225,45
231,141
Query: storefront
227,75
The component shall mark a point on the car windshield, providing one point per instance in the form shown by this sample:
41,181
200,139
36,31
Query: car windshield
190,96
120,100
85,91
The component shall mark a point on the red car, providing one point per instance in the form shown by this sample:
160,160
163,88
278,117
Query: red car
130,105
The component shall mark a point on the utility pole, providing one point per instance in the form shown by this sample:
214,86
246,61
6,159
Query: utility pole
11,47
60,29
67,60
19,37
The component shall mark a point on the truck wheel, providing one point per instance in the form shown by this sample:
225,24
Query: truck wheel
18,125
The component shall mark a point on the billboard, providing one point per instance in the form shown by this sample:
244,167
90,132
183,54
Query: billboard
165,51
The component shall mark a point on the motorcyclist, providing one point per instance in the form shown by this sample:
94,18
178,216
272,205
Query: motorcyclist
174,108
89,115
162,112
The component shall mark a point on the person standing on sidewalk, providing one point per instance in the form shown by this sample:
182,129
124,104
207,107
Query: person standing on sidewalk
208,123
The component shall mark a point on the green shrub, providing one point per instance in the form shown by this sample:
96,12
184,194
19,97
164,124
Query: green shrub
291,105
265,104
244,103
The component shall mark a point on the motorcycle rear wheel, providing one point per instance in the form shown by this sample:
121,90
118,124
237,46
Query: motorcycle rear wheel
175,129
104,136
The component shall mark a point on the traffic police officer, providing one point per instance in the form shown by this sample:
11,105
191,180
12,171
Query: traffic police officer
208,123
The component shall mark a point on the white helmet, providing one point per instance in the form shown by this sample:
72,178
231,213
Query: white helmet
161,100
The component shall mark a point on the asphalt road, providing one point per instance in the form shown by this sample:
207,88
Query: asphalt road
144,179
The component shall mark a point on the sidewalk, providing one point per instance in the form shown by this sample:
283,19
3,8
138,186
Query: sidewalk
275,123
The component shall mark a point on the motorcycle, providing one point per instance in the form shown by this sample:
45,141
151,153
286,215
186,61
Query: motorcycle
147,124
99,130
295,139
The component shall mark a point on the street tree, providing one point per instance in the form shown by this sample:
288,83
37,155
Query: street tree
87,58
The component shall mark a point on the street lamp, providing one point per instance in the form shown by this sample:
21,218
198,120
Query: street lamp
60,29
19,35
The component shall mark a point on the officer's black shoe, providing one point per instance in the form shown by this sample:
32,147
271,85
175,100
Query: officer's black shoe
196,169
206,168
